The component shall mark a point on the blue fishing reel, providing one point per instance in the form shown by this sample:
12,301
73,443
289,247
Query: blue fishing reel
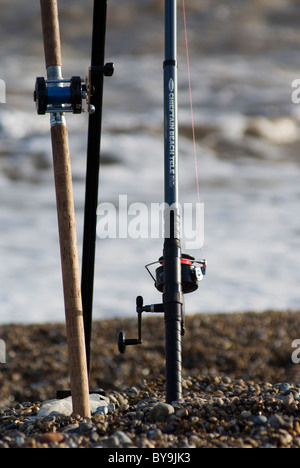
60,95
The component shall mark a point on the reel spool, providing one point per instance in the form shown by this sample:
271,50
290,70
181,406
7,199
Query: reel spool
59,95
191,273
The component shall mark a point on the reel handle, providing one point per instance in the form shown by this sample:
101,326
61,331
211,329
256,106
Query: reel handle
122,340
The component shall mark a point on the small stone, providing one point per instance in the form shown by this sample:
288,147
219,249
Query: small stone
246,414
260,420
288,399
118,439
186,383
31,443
133,391
181,413
121,400
285,437
122,437
51,437
71,428
283,387
94,437
161,412
154,433
85,426
18,438
98,417
113,399
276,421
297,442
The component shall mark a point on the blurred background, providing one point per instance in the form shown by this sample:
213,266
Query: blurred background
244,56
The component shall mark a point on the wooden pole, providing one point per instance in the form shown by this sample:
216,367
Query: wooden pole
66,222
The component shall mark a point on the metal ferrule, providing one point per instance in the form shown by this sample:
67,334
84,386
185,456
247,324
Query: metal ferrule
54,73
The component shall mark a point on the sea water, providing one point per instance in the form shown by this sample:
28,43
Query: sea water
243,58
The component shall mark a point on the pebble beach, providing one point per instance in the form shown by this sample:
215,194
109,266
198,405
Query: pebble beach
241,387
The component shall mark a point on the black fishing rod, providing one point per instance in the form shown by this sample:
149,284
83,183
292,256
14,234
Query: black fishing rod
172,288
97,72
177,273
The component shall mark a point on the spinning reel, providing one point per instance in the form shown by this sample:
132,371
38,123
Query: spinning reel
191,274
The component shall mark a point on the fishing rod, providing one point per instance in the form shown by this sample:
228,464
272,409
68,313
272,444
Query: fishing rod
98,70
177,273
58,96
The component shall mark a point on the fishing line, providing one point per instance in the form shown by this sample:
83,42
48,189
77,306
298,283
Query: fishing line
191,102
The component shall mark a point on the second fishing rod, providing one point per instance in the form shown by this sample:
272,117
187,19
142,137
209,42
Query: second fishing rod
172,283
168,274
176,273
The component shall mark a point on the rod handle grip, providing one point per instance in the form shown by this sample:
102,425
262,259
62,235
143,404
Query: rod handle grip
51,34
70,270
